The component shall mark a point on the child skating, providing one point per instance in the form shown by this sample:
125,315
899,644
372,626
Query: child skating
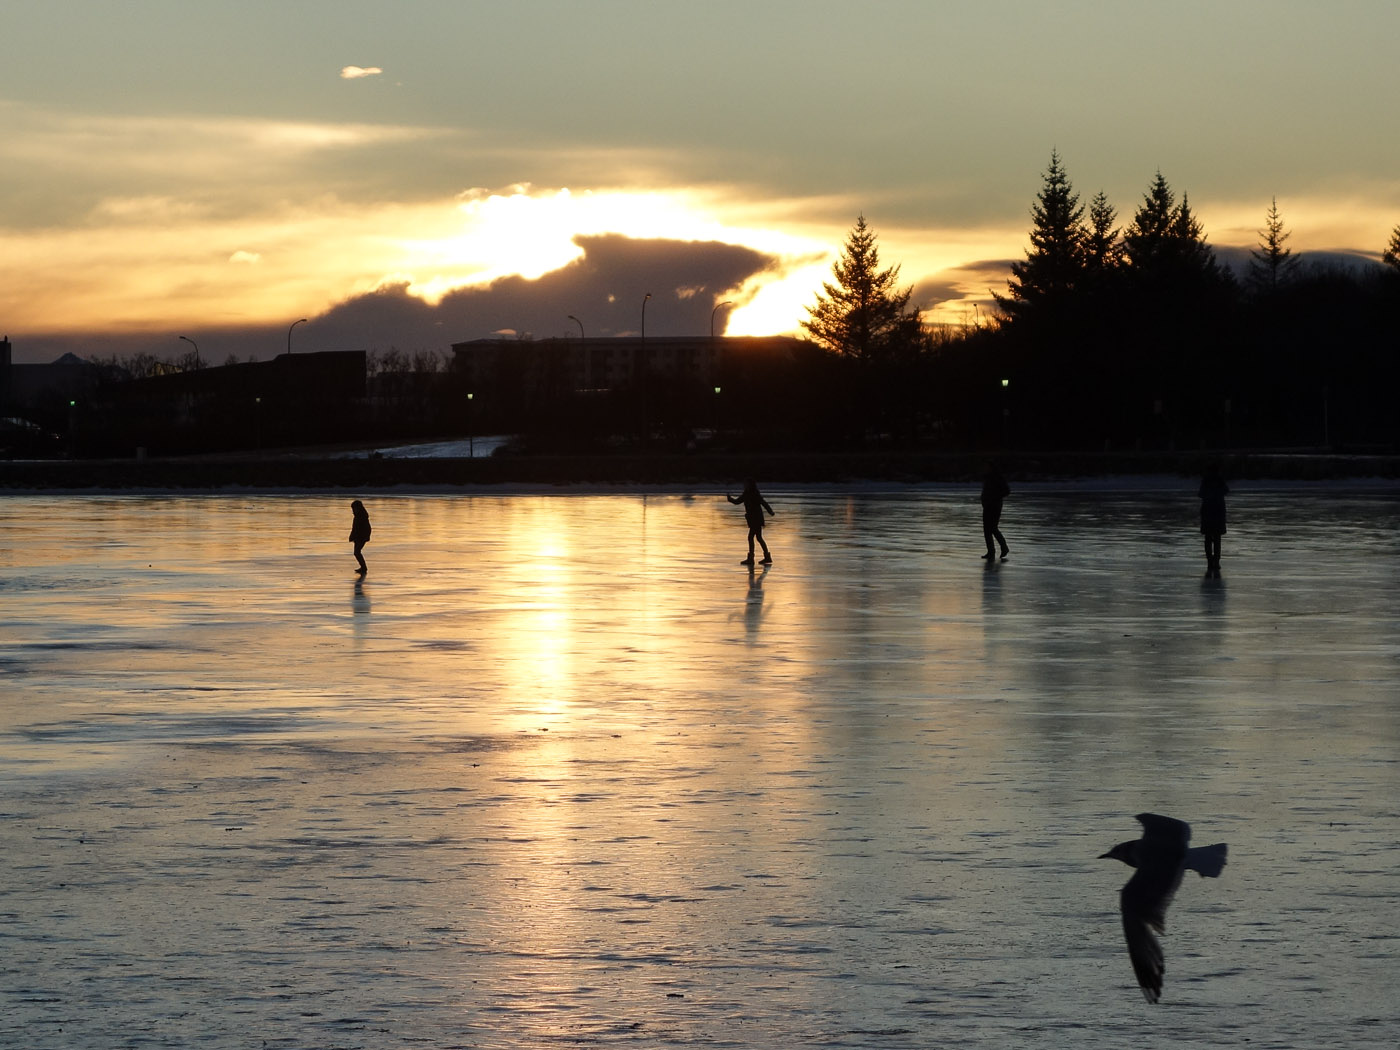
754,506
359,533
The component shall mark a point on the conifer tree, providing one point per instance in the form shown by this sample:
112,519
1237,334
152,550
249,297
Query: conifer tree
1103,249
1271,263
1148,239
1165,241
864,315
1391,255
1197,256
1055,262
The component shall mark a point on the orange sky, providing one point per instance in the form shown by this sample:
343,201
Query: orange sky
191,170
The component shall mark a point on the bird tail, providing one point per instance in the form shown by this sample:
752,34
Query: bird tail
1207,860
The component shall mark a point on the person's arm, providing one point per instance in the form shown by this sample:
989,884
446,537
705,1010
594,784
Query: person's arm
734,499
765,506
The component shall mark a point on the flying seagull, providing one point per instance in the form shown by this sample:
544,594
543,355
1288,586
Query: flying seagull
1161,857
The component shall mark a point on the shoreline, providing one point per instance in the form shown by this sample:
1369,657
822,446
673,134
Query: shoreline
313,472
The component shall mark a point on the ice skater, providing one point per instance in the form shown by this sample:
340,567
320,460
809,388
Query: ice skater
359,533
994,491
754,506
1212,493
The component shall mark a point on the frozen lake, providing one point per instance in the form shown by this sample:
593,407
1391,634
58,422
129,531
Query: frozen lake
560,771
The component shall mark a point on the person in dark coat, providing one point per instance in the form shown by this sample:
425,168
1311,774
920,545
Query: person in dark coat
359,532
1212,493
994,491
754,506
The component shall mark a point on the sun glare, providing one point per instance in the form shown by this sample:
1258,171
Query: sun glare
530,233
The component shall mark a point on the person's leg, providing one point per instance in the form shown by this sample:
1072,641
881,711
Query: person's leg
749,559
989,527
360,557
1001,541
766,556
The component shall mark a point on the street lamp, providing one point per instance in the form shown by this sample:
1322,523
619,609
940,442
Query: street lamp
196,350
644,316
289,333
1005,411
587,364
727,302
471,428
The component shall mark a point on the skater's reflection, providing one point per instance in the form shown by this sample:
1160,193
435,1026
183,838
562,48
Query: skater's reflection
1212,595
991,589
359,600
753,604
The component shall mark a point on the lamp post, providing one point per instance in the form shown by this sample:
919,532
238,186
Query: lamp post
192,343
587,364
471,428
1005,411
727,302
644,316
289,333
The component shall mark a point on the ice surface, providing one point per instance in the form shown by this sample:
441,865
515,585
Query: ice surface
560,770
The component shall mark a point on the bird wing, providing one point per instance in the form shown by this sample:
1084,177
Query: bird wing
1144,901
1143,913
1167,829
1207,860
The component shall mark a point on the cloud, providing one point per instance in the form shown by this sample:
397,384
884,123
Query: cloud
359,72
604,288
962,294
241,256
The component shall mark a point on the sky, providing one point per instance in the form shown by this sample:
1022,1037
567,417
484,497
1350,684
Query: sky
413,174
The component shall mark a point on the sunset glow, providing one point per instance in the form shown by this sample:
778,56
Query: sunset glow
153,184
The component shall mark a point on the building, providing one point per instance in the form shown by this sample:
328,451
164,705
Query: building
43,390
553,367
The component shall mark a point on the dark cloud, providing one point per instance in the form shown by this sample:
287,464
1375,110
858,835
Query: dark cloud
604,288
974,281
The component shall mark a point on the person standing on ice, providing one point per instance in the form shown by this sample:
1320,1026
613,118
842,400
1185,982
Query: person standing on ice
994,491
359,533
1212,493
754,506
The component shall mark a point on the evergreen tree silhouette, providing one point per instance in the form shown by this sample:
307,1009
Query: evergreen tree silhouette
1054,267
1271,264
864,315
1391,255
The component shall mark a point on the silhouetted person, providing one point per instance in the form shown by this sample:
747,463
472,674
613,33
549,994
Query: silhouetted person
1212,493
994,491
754,506
1160,858
359,533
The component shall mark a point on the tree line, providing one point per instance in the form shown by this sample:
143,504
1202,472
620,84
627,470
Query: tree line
1128,336
1109,335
